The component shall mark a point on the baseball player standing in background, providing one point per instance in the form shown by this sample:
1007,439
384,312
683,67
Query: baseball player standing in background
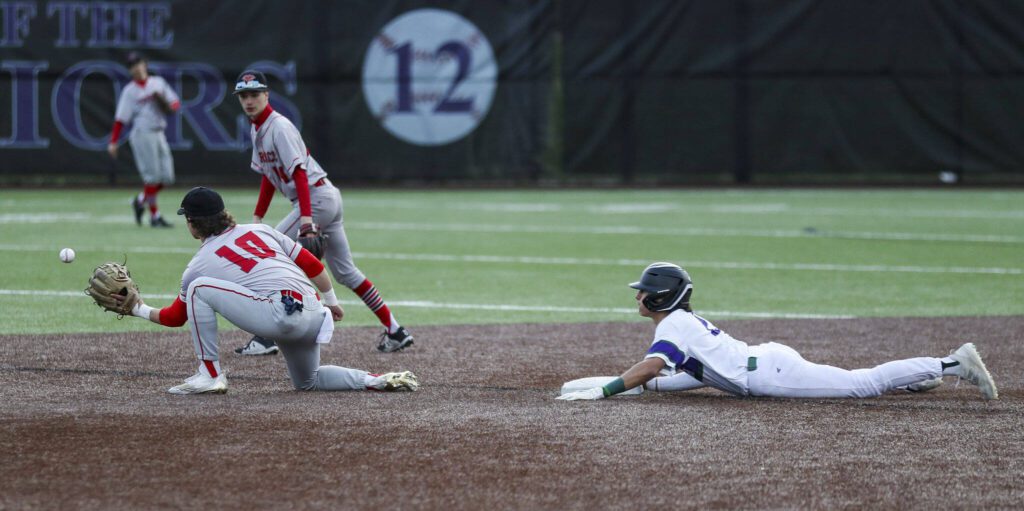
280,155
261,281
687,342
145,103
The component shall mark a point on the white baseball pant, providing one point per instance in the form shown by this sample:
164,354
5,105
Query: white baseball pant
782,372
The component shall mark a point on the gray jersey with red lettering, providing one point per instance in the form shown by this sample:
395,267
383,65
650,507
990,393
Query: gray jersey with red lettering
277,148
255,256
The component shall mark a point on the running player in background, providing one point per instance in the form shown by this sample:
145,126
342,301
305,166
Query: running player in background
262,282
686,342
145,103
280,155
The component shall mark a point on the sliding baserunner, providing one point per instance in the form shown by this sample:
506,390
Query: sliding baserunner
686,342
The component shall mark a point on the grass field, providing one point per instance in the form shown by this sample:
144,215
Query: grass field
459,257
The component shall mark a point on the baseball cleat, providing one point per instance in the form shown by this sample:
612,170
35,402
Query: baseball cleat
972,369
923,386
398,341
395,381
137,208
159,222
258,346
200,383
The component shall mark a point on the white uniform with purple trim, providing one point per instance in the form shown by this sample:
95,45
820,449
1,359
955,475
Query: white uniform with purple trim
137,107
687,342
277,150
243,275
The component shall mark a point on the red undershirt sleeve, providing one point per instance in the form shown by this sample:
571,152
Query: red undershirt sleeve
266,195
309,263
175,314
115,134
302,190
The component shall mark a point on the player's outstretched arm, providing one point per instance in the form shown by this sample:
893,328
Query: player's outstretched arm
175,314
141,310
642,372
678,382
637,375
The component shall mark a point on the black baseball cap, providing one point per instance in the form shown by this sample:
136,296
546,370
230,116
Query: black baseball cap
134,58
201,201
250,79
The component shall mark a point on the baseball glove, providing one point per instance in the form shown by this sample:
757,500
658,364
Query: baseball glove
162,104
312,240
113,278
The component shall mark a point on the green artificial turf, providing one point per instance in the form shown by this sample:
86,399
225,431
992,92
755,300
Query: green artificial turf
445,257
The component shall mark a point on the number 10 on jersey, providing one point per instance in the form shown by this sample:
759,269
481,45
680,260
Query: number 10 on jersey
250,243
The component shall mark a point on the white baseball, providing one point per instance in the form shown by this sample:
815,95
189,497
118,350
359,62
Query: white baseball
67,255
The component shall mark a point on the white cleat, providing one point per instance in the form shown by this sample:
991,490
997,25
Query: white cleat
395,381
923,386
972,369
200,383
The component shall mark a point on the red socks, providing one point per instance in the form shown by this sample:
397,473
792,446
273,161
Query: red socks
372,299
149,197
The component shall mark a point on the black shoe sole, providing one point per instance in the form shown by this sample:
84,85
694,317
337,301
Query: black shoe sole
400,348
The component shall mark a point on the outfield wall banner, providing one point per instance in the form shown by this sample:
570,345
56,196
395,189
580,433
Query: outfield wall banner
381,90
527,90
745,88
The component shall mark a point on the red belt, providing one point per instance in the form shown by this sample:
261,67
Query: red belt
320,182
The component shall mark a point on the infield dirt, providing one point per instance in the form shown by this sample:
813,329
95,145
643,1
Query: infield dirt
86,423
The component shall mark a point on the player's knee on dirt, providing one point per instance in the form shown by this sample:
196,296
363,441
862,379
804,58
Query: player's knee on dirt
305,384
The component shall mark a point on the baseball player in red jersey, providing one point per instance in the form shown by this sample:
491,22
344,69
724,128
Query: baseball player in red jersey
280,156
263,282
145,103
686,342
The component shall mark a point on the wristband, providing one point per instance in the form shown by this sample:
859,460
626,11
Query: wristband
141,310
615,387
329,298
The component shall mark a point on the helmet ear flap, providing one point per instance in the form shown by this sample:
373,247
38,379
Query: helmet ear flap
655,302
684,302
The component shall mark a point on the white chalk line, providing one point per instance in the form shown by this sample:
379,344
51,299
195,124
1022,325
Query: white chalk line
693,231
426,304
64,218
570,261
574,261
661,207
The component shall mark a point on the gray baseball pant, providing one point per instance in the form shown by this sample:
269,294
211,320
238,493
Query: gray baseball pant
152,156
328,213
264,315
